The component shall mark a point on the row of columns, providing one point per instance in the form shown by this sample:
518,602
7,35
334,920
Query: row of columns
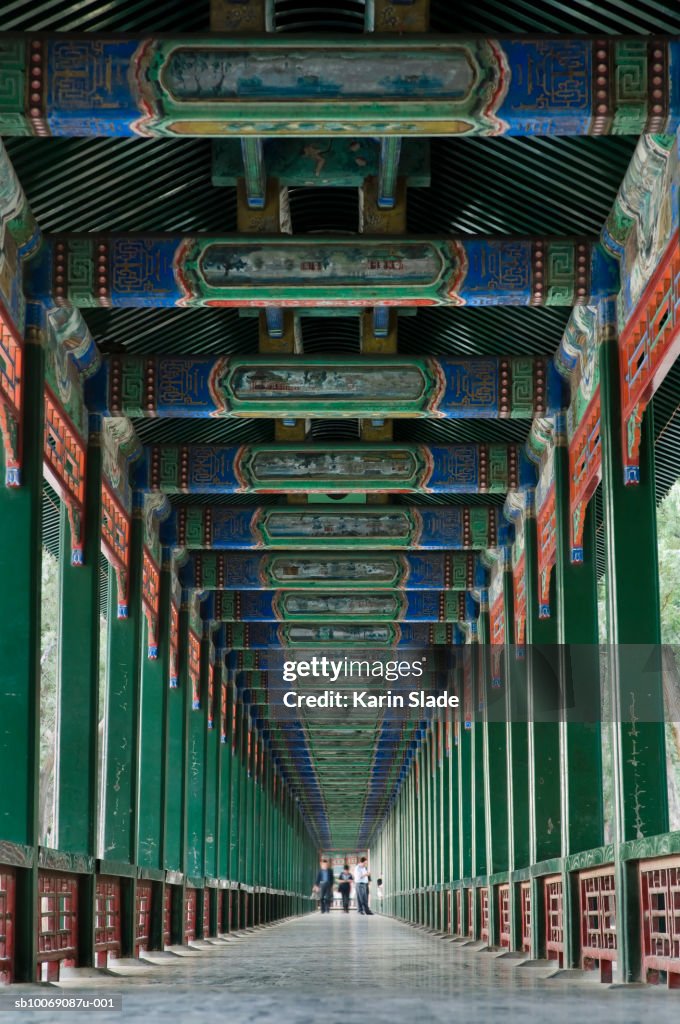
529,791
183,797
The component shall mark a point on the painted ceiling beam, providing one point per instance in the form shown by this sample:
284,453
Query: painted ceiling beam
326,606
345,468
368,387
343,636
455,527
367,85
131,271
211,570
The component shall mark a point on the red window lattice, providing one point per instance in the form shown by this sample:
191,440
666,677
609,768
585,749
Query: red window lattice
648,347
143,915
11,391
64,455
174,646
106,919
520,600
57,921
504,915
546,526
585,471
190,911
554,918
484,914
525,914
211,697
598,915
116,543
497,633
223,714
150,599
195,669
660,899
7,915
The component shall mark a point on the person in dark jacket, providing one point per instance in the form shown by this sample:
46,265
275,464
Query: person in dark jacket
344,880
324,881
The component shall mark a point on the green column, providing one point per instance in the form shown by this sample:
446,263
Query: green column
151,749
634,635
544,734
78,699
123,706
579,672
196,769
517,760
465,766
174,744
20,571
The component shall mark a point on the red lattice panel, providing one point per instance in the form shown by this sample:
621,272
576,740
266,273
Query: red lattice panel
484,916
546,526
504,915
190,912
648,346
660,900
554,918
223,719
525,915
151,581
116,543
469,897
106,919
459,911
7,916
211,697
57,922
585,471
520,599
206,913
598,920
195,669
64,455
11,396
167,915
174,646
143,915
220,909
497,633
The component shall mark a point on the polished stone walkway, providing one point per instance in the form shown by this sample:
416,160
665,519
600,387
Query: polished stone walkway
345,969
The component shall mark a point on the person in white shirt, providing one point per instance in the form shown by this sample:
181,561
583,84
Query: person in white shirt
361,880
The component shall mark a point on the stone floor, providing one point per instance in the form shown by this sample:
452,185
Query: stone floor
345,969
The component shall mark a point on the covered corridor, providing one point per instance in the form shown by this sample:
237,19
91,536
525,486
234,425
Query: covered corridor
339,392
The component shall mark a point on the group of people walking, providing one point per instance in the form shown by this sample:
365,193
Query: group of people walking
325,881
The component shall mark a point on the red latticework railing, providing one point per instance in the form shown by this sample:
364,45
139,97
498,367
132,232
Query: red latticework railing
598,920
520,602
116,544
64,455
469,897
206,913
195,669
174,646
546,526
7,917
167,915
190,912
151,581
143,915
57,923
106,919
525,915
649,344
660,900
554,918
459,911
484,916
11,397
504,915
585,471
